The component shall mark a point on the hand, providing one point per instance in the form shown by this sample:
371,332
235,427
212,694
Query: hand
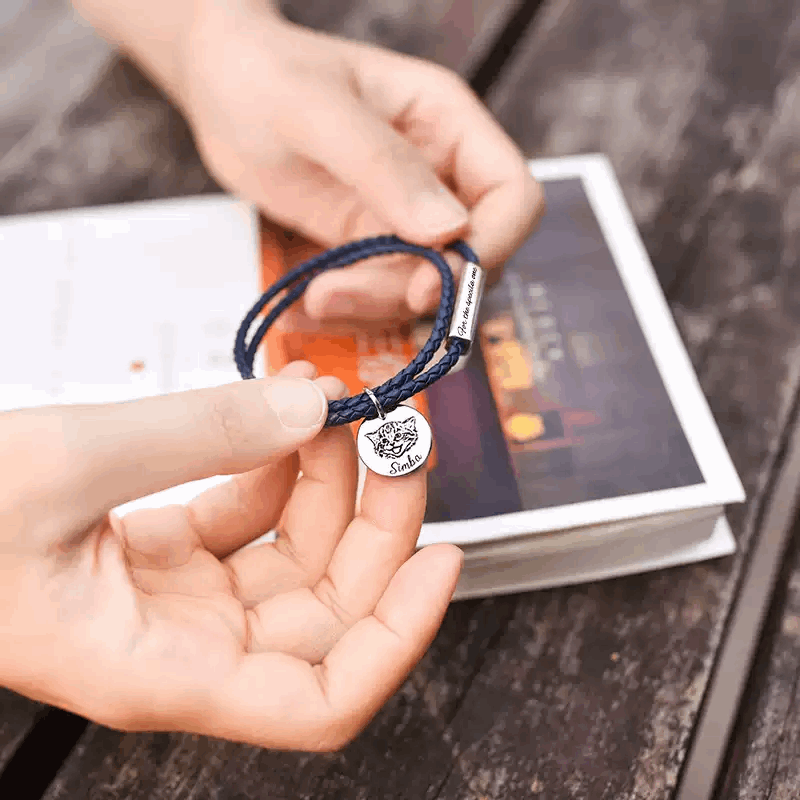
337,140
161,619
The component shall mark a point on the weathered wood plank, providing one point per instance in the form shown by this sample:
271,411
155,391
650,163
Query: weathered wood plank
764,760
454,33
17,716
707,162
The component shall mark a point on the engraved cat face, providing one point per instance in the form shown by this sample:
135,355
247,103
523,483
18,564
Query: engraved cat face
394,438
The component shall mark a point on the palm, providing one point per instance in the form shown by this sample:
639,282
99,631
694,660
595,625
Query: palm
302,638
190,626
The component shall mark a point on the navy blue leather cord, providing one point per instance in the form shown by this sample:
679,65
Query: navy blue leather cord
408,381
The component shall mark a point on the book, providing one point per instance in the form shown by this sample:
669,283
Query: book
574,443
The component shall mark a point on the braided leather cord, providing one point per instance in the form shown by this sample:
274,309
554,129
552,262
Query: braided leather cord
408,381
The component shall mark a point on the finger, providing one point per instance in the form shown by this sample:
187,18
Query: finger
306,198
377,542
225,517
307,623
333,387
444,119
424,287
321,505
298,321
299,369
357,295
274,700
388,172
501,220
372,291
327,211
220,520
94,458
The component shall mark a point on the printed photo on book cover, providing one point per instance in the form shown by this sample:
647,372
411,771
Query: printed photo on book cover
560,401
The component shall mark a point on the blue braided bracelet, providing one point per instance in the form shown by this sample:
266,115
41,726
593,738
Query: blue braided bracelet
371,404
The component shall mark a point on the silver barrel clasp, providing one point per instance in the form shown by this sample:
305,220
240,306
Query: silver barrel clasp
464,321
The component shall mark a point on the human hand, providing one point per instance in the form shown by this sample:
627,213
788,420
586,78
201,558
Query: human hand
159,619
337,140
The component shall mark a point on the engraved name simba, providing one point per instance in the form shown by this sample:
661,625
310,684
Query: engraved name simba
394,438
406,465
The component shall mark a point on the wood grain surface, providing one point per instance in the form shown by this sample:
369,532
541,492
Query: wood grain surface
592,691
697,105
17,717
764,759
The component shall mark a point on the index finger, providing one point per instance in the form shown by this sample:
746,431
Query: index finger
308,622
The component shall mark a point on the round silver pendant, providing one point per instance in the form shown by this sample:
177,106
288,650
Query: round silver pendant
396,444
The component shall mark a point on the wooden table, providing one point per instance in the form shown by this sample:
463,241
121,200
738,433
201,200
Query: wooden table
624,689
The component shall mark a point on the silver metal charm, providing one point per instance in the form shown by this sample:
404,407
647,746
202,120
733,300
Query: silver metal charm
395,444
468,303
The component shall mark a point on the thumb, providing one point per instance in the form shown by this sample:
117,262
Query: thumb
106,455
392,176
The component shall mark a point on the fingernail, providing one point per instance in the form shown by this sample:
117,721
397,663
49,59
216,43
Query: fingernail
298,403
334,388
440,212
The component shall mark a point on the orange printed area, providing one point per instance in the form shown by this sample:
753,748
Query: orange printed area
530,420
359,360
524,427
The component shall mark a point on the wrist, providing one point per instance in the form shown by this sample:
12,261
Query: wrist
156,34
